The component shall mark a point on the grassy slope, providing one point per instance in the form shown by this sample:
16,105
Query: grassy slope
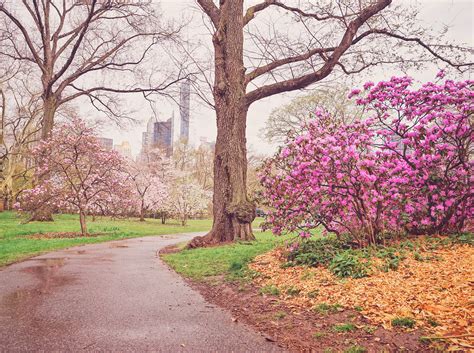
15,244
221,260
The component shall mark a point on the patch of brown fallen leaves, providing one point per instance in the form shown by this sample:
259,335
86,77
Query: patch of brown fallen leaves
440,291
62,235
293,327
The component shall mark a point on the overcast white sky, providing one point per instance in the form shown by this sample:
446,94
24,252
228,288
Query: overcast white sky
458,14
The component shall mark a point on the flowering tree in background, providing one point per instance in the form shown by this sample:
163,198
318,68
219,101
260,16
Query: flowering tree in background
80,173
406,168
150,189
187,198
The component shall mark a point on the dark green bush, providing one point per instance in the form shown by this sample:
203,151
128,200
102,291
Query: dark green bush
316,252
325,309
344,260
403,322
293,291
236,266
270,290
349,264
463,238
347,327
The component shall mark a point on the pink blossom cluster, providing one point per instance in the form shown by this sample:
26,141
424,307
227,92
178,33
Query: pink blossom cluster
74,173
406,168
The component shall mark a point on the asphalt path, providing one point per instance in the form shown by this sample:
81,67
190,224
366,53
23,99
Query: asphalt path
113,297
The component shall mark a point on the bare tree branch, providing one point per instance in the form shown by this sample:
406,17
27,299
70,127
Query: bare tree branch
211,10
325,70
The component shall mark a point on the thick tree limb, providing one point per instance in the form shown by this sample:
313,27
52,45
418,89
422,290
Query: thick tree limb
305,80
422,44
25,34
211,10
251,11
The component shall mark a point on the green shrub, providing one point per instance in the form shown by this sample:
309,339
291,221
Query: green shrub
347,327
293,291
235,266
463,238
418,257
403,322
391,256
270,289
318,335
313,294
324,308
348,264
345,261
316,252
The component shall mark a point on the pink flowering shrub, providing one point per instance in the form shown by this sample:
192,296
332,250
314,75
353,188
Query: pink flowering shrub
76,174
406,168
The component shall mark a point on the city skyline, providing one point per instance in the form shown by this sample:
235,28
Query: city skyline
439,14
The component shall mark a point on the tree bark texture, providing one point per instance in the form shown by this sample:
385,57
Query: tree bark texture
233,212
45,214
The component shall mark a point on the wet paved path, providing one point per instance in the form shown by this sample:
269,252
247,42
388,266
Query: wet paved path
115,296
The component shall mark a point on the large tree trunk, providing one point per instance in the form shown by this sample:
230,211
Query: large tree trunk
45,214
233,212
49,110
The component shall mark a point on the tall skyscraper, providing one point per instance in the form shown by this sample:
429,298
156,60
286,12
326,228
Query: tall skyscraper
184,109
163,135
159,134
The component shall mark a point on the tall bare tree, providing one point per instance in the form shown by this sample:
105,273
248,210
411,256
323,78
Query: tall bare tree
95,49
20,131
255,58
84,48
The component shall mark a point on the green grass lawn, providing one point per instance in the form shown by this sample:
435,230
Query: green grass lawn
15,244
221,260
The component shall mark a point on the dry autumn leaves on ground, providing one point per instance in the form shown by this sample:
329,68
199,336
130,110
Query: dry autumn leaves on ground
431,288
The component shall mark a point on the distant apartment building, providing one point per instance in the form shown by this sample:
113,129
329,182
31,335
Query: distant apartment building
107,143
159,134
124,149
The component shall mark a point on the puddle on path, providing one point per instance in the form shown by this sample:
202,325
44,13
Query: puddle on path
118,245
23,302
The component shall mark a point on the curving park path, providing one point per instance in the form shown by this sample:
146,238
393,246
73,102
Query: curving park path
116,296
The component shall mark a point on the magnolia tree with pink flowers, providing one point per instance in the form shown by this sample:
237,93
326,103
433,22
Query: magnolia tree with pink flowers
187,198
149,187
406,168
81,176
